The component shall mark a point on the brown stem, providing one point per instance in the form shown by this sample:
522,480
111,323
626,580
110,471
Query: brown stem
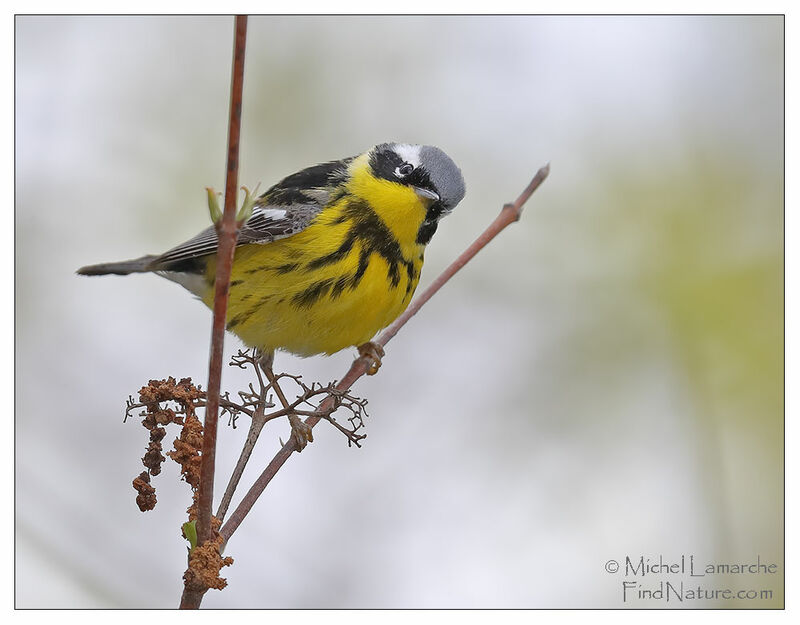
226,230
257,422
191,599
509,214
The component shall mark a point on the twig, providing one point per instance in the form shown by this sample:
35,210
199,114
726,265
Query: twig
258,418
226,231
259,415
257,422
509,214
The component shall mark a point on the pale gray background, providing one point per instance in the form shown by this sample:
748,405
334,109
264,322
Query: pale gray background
604,380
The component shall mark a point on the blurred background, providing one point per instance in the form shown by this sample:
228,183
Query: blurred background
603,381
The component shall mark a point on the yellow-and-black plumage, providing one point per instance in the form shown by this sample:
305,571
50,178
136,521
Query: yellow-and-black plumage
330,255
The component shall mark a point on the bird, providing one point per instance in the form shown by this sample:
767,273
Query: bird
330,255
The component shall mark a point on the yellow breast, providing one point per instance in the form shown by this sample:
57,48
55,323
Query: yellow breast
350,273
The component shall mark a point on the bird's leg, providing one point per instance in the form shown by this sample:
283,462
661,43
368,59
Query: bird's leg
373,352
301,431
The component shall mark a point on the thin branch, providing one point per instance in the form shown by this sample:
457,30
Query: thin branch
508,215
226,230
257,423
259,416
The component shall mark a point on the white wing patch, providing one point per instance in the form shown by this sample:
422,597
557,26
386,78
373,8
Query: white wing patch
269,213
266,224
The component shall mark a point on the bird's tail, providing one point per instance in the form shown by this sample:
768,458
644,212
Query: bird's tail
122,268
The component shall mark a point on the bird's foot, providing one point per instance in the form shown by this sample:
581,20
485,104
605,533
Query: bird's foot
374,353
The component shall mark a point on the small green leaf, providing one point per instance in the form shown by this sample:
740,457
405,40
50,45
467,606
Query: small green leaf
213,205
246,211
190,532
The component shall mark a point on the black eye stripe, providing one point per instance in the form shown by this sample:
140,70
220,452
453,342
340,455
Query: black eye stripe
384,163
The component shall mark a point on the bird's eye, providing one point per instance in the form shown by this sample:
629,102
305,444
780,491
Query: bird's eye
405,169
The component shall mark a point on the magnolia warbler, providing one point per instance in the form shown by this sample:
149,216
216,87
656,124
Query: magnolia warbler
330,255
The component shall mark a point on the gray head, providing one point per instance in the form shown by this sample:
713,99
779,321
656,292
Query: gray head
445,176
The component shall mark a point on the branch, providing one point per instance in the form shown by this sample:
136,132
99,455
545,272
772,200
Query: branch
226,231
508,215
259,415
257,421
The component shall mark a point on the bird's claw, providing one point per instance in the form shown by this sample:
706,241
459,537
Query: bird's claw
374,352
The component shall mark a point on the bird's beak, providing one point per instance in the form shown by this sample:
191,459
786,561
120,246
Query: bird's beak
427,193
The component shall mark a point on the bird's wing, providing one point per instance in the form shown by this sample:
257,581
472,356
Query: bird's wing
286,209
267,224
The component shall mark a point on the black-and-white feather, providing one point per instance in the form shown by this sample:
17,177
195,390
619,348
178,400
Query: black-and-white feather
285,209
267,224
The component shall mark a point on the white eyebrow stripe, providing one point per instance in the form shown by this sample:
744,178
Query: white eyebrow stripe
409,153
